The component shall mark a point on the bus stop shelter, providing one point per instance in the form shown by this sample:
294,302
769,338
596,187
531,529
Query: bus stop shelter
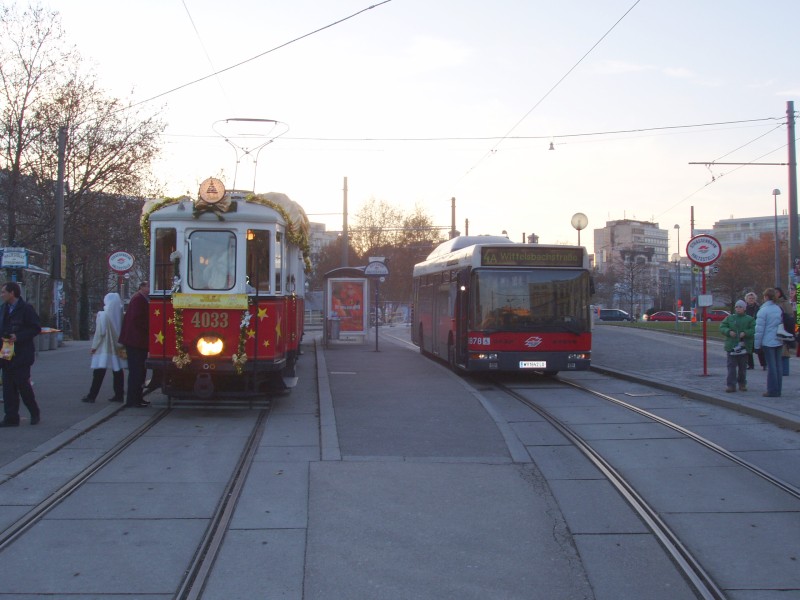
346,305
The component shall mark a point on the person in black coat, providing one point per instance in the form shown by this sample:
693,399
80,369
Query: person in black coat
752,310
19,323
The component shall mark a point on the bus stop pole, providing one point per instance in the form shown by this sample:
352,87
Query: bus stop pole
377,286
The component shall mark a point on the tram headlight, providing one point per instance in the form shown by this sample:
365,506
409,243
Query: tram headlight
209,345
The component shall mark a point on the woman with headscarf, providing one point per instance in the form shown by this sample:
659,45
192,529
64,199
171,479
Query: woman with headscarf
106,349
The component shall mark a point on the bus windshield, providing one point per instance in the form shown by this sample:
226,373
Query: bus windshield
517,300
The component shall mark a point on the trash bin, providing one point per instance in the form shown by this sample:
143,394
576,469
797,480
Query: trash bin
335,328
43,341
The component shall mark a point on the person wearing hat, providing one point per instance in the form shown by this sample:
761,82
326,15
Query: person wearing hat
739,330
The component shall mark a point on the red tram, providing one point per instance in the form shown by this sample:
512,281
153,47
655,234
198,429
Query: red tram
226,300
484,303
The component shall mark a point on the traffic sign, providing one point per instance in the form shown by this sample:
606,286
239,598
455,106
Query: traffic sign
703,250
120,262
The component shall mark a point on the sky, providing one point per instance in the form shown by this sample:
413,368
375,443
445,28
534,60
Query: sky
417,102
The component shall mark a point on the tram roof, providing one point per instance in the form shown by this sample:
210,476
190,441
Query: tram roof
183,209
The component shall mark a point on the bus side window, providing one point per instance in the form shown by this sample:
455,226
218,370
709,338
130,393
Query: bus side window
258,260
166,240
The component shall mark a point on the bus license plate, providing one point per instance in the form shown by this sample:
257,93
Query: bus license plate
533,364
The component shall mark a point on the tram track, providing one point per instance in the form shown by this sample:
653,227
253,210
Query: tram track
199,571
198,555
707,584
35,514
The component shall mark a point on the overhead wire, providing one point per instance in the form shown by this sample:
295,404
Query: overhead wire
257,56
493,149
205,50
519,137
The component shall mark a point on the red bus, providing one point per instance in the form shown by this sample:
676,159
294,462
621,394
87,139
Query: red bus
484,303
226,292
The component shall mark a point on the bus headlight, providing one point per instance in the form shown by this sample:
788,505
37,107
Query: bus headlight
483,356
209,345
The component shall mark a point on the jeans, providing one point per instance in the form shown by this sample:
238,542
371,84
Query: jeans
772,354
737,370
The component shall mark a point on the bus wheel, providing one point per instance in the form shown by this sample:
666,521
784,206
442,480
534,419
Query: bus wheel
451,355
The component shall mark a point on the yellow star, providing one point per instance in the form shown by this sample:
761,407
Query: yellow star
266,343
157,312
170,321
262,312
278,329
160,338
251,333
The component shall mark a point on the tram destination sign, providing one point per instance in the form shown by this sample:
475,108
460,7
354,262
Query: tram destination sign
530,256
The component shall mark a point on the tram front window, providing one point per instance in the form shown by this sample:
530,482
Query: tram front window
212,260
530,300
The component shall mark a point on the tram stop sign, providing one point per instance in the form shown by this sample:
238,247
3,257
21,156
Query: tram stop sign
377,268
703,250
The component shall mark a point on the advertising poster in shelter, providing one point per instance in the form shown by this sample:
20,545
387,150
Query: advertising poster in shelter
347,303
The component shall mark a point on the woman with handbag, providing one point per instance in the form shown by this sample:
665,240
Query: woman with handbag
107,351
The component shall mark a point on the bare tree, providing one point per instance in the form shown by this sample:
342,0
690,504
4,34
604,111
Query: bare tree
32,55
110,149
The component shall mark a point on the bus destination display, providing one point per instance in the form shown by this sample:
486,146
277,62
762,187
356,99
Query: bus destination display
498,256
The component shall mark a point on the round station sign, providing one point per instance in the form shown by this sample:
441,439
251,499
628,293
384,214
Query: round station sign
703,250
120,262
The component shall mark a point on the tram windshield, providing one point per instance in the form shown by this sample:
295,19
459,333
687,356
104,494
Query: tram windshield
555,300
212,260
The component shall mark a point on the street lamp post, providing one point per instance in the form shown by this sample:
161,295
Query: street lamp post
775,193
678,282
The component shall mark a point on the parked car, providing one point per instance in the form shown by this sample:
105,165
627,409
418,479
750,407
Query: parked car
665,315
614,314
716,315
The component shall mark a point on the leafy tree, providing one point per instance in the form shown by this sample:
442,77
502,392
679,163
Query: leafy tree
745,268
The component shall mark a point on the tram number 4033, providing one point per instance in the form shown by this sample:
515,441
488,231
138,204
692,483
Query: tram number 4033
210,319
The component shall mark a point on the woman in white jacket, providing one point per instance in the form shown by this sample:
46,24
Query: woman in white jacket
106,349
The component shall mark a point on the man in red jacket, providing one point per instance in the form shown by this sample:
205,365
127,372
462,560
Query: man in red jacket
135,338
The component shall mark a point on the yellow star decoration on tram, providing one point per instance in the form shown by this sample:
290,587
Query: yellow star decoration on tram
171,321
251,333
262,312
160,338
157,312
266,343
278,329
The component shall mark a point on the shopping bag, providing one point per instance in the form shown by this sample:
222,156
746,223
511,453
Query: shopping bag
7,351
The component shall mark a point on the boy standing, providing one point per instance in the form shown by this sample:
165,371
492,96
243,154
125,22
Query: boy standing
739,330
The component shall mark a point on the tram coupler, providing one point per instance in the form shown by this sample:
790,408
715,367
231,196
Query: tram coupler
204,386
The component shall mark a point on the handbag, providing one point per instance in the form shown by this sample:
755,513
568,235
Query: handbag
7,351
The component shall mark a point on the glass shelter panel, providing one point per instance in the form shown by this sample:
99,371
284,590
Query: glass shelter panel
543,300
212,260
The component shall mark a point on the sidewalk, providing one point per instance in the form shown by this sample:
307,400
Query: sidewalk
60,377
